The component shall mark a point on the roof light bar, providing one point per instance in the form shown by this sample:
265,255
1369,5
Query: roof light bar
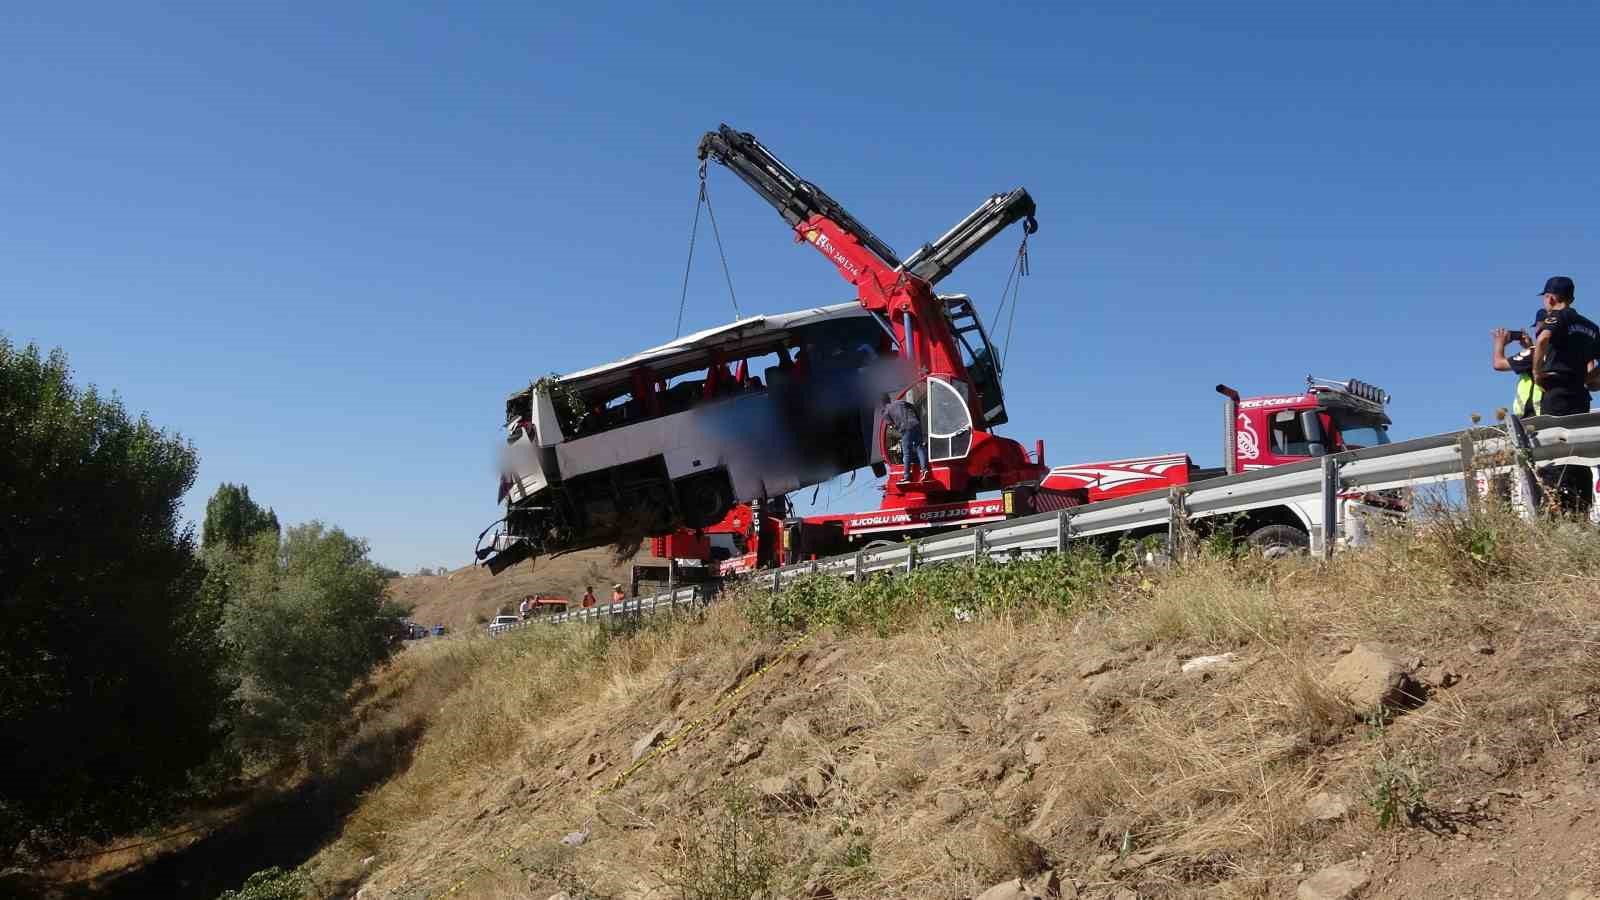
1353,386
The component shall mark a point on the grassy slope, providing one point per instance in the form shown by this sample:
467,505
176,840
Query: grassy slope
1058,715
459,598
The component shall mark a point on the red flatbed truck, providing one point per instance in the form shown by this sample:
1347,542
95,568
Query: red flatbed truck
1258,432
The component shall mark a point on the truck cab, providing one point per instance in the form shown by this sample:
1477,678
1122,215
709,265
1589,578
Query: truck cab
1330,417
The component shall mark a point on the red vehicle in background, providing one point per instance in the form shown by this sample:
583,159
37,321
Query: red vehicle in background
1258,433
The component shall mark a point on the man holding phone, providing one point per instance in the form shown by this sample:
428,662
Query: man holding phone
1528,395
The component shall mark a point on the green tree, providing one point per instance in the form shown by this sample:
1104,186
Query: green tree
233,519
310,617
111,662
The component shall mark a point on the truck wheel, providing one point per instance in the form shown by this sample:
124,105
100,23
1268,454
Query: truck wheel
704,499
1279,541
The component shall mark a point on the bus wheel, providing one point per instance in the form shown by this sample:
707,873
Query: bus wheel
705,499
1279,541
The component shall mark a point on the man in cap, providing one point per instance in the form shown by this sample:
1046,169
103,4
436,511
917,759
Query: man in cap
1563,351
1563,355
617,596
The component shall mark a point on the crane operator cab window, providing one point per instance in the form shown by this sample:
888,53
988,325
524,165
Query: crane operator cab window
978,355
947,421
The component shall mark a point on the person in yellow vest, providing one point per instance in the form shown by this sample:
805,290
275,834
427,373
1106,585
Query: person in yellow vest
1529,396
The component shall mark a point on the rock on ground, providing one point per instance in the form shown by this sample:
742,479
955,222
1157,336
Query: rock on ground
653,737
1045,887
1375,675
1327,807
1008,853
1339,882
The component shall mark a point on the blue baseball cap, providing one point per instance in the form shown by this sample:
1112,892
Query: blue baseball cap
1561,286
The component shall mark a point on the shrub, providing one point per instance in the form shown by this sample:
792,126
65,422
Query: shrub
1058,581
734,859
1398,790
310,618
270,884
110,656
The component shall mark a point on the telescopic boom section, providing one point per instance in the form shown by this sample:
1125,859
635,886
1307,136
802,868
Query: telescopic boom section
900,291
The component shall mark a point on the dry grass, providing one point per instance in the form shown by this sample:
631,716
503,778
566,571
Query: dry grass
944,752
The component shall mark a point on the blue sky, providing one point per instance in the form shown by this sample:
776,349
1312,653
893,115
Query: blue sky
324,243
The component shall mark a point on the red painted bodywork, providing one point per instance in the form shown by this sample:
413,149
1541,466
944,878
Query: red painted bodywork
902,513
993,461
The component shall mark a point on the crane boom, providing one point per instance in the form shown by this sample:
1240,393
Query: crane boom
796,200
936,260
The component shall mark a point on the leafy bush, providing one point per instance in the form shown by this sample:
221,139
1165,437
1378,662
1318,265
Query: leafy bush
734,859
310,617
110,656
1057,581
1398,790
270,884
233,519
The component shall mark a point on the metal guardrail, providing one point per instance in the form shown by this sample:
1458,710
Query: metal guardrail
681,598
1325,482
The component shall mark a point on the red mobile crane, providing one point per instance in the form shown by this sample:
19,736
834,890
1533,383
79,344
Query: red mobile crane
958,388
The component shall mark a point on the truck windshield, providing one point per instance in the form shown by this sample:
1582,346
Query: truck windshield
1358,434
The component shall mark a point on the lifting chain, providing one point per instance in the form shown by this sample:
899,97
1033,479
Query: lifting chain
704,199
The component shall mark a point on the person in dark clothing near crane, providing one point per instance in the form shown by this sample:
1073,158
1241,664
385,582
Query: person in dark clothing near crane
1563,368
1563,351
913,443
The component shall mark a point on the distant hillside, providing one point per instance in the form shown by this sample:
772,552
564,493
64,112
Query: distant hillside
459,598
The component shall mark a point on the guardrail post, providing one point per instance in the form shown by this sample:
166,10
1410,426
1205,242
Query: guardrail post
1177,523
1063,530
1522,469
980,545
911,556
859,554
777,580
1330,504
1469,470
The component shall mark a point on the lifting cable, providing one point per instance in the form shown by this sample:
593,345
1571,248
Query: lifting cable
704,199
1013,289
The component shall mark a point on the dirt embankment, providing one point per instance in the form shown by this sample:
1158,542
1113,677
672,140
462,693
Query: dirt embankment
1417,721
1421,720
462,598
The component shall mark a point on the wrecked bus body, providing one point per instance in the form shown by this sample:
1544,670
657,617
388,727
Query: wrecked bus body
675,435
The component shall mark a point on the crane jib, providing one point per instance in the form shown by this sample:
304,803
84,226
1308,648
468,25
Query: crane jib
801,203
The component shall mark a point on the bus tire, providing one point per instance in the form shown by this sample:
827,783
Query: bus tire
704,499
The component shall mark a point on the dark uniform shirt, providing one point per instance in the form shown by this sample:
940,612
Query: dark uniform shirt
1573,340
902,415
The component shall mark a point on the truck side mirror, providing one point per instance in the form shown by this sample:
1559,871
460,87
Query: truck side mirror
1316,439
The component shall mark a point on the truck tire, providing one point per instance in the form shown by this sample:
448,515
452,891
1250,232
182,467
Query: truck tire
1279,541
704,499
